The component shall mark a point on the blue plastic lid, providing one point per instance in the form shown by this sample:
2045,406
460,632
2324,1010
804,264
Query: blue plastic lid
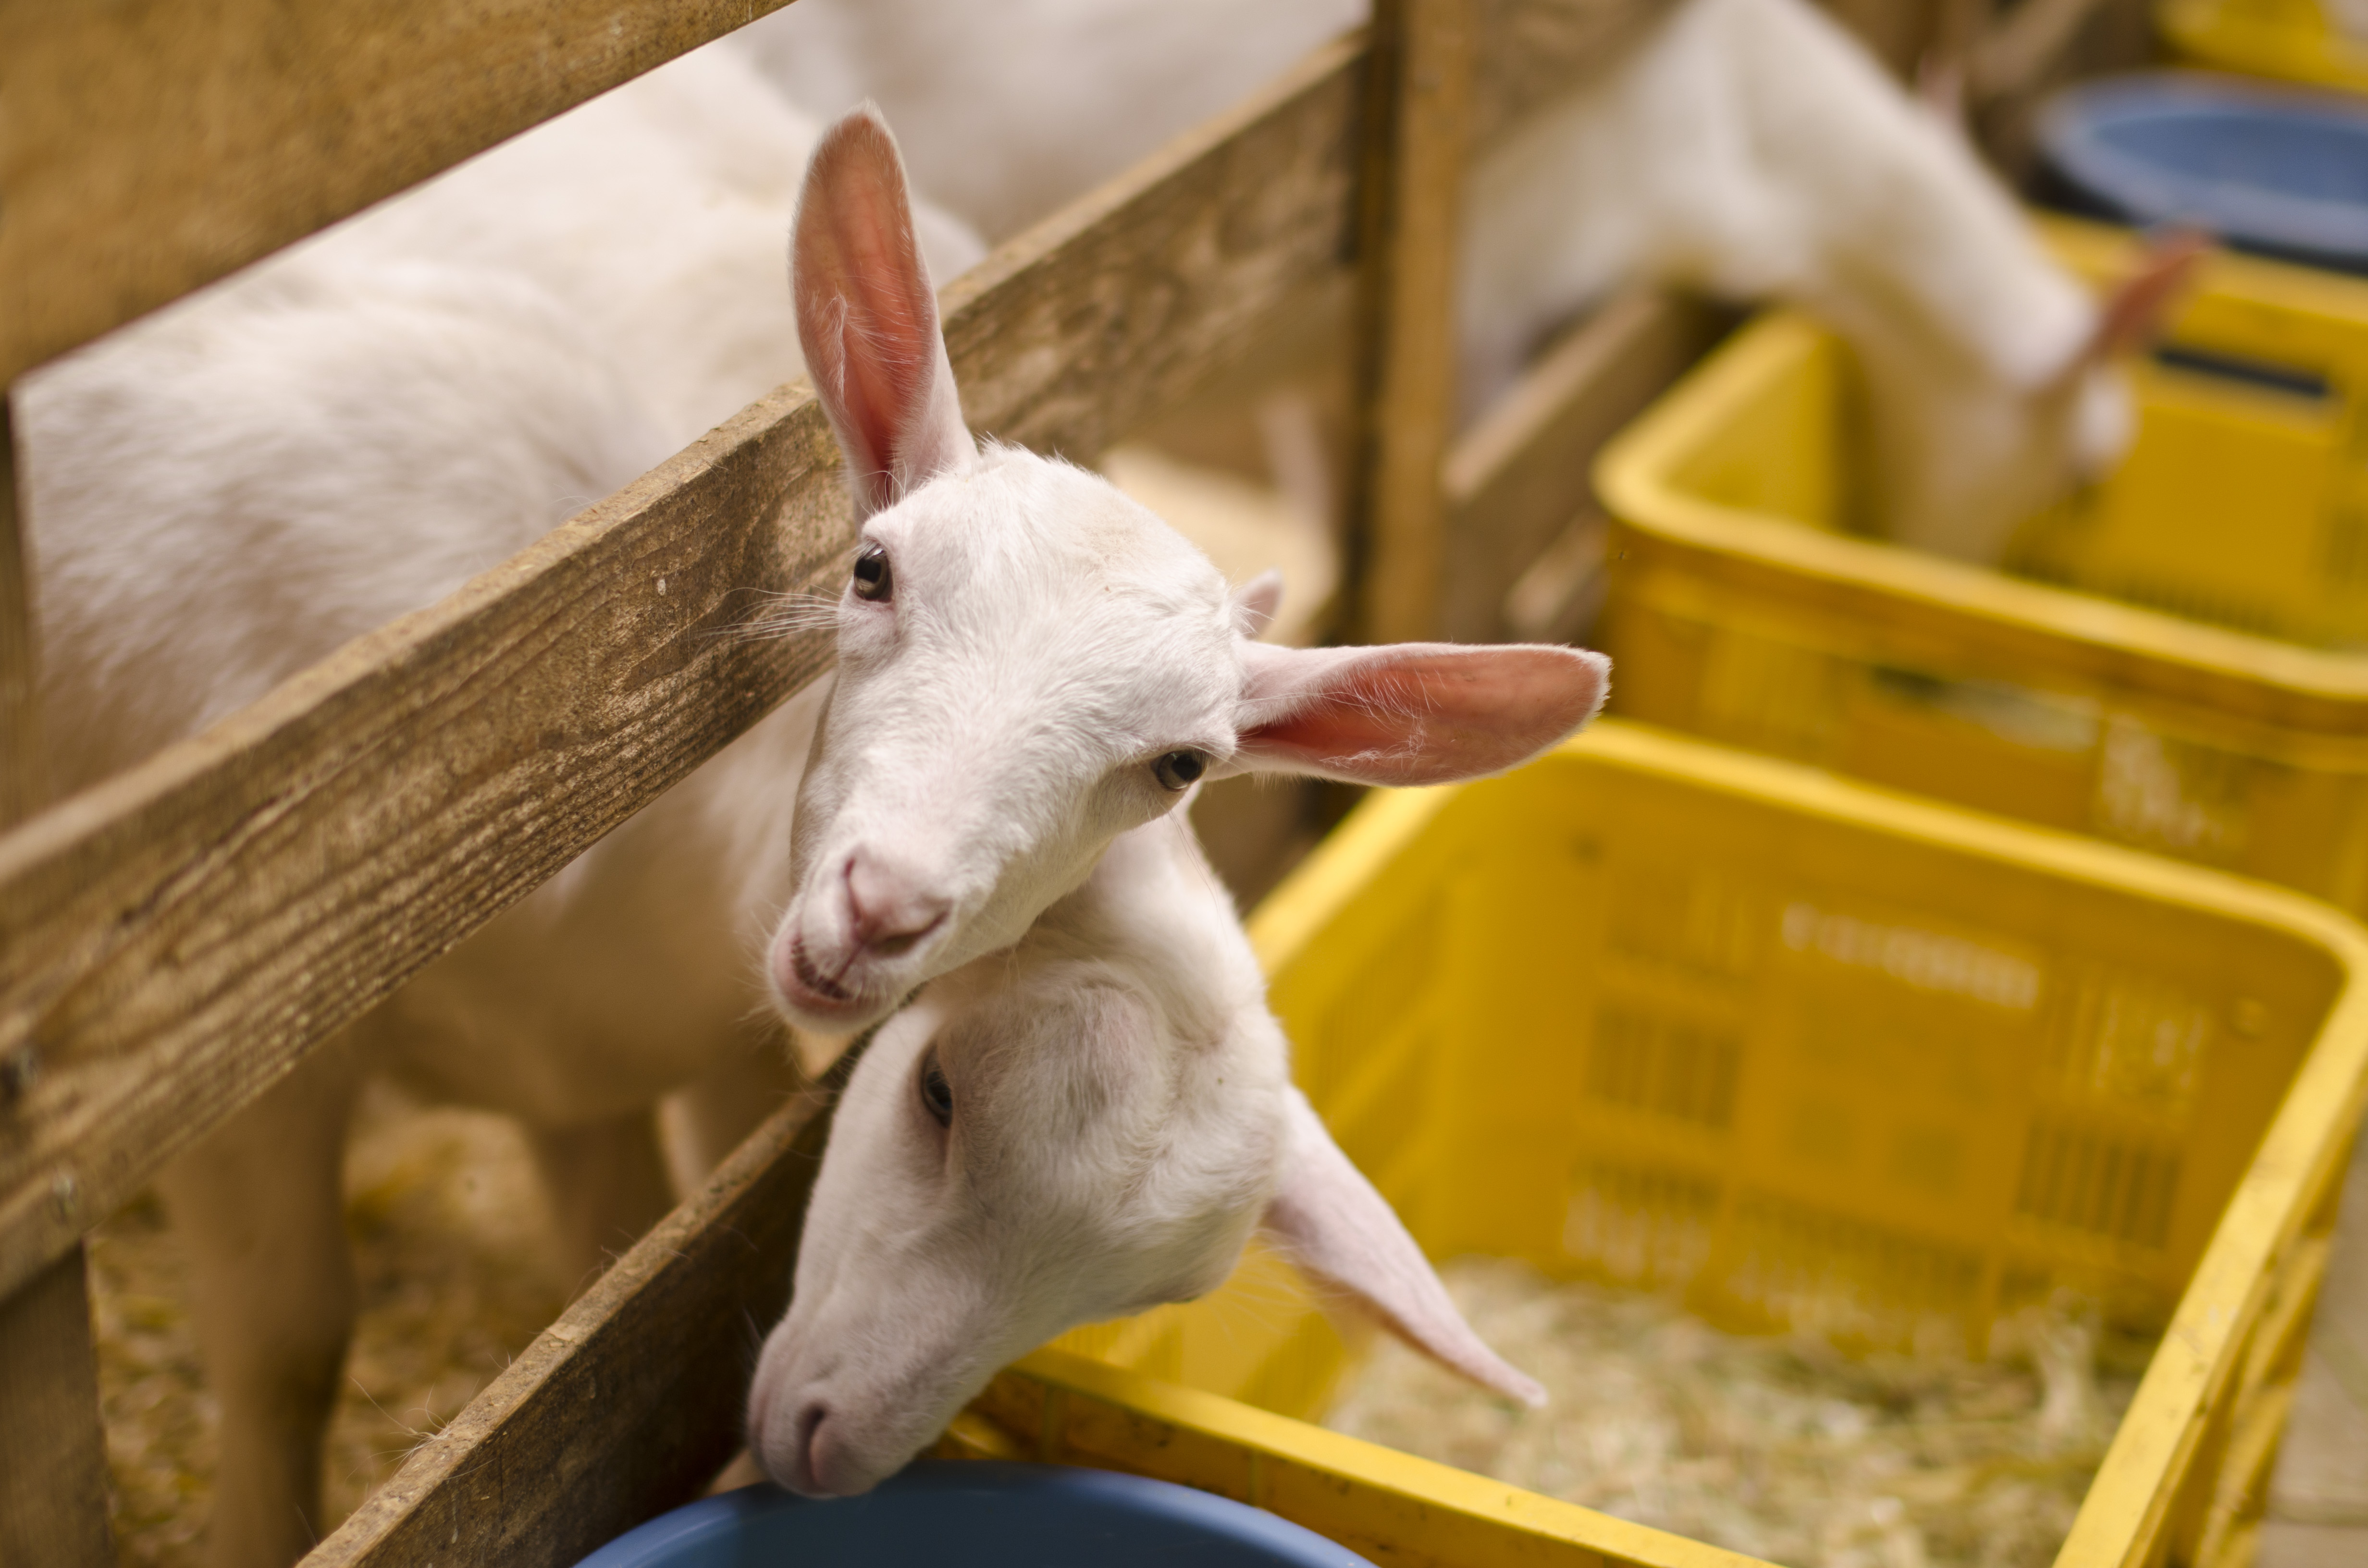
2267,168
979,1514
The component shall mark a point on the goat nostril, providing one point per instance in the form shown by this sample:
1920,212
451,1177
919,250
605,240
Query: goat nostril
808,1441
888,914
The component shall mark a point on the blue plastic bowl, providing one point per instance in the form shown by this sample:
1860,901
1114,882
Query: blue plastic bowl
2276,170
981,1515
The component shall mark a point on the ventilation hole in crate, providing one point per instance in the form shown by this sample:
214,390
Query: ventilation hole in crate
2101,1183
1641,1226
1770,696
1671,1067
1690,919
1914,956
2168,794
1811,1269
2130,1039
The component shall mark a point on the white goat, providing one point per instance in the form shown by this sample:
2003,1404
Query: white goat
655,215
1084,1127
1031,665
1753,148
1748,147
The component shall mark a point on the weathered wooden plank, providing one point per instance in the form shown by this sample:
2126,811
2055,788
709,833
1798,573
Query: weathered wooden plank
1519,476
149,147
52,1448
631,1402
20,750
1417,136
53,1451
174,940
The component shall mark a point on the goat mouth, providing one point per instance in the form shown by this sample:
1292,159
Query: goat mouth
811,980
806,988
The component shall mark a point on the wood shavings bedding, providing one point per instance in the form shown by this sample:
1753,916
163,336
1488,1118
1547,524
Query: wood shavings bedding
456,1276
1780,1447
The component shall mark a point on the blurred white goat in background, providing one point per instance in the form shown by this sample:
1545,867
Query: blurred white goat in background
1753,148
1750,147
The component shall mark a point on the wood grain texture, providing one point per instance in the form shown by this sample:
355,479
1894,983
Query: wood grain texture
1522,473
1418,137
53,1448
20,744
53,1451
174,940
148,147
628,1404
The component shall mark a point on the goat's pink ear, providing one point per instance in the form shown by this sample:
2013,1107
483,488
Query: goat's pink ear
1344,1235
1412,713
868,318
1255,603
2139,308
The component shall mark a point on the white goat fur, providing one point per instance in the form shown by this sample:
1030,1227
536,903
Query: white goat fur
1752,149
1748,147
1121,1118
222,495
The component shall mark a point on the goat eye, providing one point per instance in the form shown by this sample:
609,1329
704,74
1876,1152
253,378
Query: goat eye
1178,769
873,581
937,1094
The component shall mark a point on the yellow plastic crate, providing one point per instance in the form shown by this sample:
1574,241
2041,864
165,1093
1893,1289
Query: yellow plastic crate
2233,733
2292,40
1659,1012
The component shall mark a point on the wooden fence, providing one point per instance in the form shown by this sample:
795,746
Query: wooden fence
174,940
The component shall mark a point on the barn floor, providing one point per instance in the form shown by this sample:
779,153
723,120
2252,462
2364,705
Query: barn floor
456,1278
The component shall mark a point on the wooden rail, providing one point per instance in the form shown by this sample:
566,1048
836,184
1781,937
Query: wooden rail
53,1446
589,1434
1521,477
148,148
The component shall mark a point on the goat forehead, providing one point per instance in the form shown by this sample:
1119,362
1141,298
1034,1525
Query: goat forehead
1032,540
1135,1173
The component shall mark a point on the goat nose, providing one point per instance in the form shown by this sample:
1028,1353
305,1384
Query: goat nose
821,1459
887,907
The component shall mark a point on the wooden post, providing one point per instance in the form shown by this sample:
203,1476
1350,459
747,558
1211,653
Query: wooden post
21,769
1417,132
52,1448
